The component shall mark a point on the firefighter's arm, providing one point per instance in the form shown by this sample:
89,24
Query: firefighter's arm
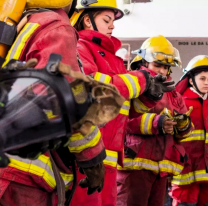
89,149
140,105
130,85
134,83
184,125
146,124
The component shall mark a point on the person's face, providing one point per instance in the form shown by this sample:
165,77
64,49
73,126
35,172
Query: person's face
104,22
201,80
158,68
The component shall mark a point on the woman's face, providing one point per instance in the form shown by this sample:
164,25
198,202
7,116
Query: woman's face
201,80
158,68
104,22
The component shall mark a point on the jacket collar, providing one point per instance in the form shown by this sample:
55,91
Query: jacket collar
110,44
189,94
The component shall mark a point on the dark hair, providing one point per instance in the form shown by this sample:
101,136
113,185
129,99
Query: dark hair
80,23
195,73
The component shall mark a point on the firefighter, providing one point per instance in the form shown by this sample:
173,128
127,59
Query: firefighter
94,21
190,187
32,182
151,152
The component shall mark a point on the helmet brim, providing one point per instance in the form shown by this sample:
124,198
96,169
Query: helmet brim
194,70
118,13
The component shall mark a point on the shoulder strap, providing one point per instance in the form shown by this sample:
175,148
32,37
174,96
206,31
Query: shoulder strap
26,15
59,183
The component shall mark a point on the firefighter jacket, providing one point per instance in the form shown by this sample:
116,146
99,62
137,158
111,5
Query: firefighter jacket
97,53
146,145
196,145
43,34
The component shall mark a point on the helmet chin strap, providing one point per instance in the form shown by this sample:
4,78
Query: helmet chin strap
73,8
194,83
92,20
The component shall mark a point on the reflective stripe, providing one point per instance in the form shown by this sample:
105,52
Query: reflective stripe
184,136
41,167
102,77
111,158
170,167
185,179
146,123
125,108
139,106
206,138
132,85
139,164
19,44
195,135
78,142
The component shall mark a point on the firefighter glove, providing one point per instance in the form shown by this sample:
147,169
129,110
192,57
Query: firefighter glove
183,120
94,180
157,86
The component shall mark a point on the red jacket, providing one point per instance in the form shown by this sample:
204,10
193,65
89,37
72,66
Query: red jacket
46,33
97,53
147,147
196,145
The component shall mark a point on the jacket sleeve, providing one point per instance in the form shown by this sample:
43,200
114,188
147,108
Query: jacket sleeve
146,124
130,85
89,150
139,113
188,127
140,105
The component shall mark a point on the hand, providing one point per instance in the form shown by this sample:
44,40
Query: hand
168,126
158,86
94,180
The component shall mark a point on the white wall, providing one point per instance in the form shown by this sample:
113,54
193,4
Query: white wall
171,18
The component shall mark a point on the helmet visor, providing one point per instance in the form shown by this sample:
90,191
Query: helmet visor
170,56
32,113
30,99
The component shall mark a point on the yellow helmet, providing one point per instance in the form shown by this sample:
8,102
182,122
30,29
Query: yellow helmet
51,4
158,49
95,4
198,63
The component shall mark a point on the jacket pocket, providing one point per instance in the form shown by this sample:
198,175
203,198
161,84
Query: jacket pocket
133,146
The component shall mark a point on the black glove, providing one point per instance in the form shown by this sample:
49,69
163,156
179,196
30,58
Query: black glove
158,86
94,180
